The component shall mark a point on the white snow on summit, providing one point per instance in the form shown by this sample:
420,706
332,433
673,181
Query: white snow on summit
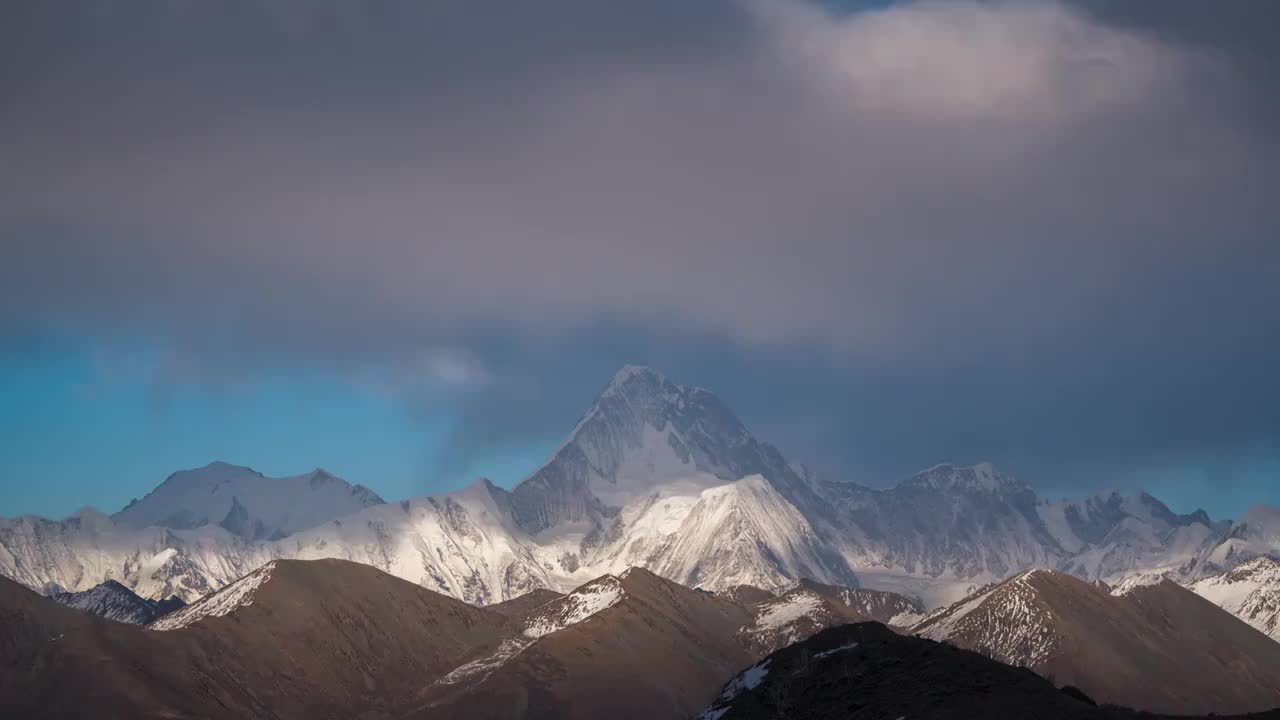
245,502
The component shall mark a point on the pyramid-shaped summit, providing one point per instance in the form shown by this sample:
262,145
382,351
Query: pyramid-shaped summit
642,431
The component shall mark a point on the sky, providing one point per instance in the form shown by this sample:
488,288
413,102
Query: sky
408,242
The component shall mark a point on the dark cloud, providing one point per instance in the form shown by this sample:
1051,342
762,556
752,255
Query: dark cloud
1017,229
1240,28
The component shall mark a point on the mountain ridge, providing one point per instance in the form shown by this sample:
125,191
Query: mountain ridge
245,502
330,638
1141,644
650,478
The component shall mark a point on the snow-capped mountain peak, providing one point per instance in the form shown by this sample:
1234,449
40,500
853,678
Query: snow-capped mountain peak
627,373
747,533
643,431
245,502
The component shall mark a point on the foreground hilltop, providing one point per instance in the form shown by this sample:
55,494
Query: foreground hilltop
321,639
335,639
868,672
1148,643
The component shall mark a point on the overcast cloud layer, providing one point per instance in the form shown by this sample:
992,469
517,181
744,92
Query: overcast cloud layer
1035,230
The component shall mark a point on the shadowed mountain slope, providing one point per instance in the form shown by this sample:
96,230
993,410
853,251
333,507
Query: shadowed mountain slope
324,639
632,646
520,607
868,672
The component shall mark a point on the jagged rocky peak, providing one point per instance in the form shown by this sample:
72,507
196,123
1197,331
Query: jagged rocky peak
1146,506
640,407
639,396
114,601
643,431
320,476
628,374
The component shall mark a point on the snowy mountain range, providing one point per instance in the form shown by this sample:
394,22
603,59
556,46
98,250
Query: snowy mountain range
246,503
655,475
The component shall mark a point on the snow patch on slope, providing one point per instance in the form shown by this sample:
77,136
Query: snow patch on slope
481,668
1133,582
833,651
1009,622
905,620
942,623
787,619
748,679
780,614
224,602
575,607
